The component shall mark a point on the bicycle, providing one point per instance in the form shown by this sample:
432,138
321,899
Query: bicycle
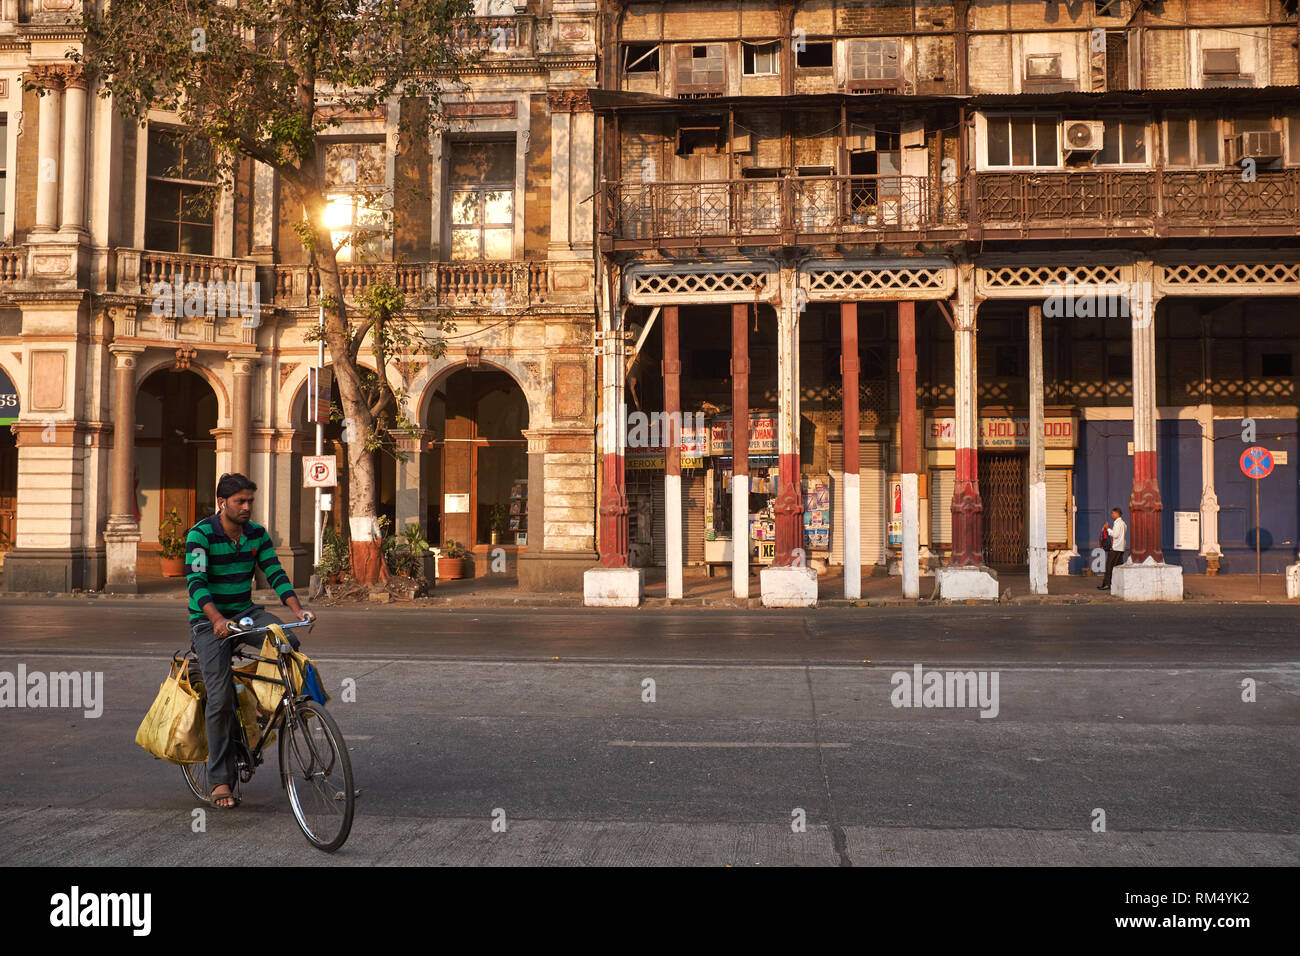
313,755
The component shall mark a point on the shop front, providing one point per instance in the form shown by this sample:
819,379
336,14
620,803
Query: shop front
1003,455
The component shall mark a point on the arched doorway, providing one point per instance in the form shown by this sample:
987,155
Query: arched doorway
477,478
175,455
8,466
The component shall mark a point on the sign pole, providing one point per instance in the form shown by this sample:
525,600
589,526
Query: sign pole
320,430
1259,575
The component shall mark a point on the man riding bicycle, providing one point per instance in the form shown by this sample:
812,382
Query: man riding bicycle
222,552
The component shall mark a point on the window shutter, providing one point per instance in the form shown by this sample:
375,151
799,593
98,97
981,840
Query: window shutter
941,486
1058,507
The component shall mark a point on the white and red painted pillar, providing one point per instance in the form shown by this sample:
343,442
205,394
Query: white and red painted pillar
907,465
1144,504
967,508
851,503
740,450
672,454
789,500
613,437
1037,458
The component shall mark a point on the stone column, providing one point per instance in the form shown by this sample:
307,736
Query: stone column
241,411
47,149
1145,576
672,455
911,569
789,582
74,152
966,577
1145,505
1209,499
410,504
967,508
851,494
740,450
122,534
1037,458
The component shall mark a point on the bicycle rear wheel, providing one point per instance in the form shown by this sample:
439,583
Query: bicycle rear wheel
196,775
317,773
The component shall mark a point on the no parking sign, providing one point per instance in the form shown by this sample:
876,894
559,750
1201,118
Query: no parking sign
1257,463
319,471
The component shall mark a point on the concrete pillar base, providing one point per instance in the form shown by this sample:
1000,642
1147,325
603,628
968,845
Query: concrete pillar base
613,587
551,571
788,587
967,583
1147,582
1293,580
51,569
120,551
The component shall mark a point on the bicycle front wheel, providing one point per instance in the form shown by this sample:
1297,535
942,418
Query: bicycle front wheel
317,775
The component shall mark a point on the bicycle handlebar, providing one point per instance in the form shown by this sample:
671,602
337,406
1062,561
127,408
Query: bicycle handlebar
234,628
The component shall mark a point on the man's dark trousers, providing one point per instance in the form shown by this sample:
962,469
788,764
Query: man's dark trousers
1112,558
214,655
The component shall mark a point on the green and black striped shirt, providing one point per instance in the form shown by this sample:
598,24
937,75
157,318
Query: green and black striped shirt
220,571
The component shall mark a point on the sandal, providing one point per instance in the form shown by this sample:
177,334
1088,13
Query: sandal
229,795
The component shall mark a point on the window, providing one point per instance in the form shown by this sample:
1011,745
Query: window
1023,141
1193,140
1124,143
481,179
1276,365
874,61
1220,62
1119,364
760,59
180,188
701,68
355,189
1293,139
1047,67
641,58
814,55
1108,8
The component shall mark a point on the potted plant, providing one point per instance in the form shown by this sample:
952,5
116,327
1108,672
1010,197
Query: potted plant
452,563
404,554
335,560
497,519
171,541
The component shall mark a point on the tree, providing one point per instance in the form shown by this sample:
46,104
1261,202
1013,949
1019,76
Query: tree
265,79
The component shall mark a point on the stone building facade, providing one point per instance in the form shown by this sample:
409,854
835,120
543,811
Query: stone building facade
122,410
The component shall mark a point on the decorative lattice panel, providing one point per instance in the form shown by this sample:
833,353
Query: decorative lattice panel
920,282
1017,281
1229,279
685,286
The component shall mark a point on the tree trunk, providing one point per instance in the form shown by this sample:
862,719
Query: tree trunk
363,526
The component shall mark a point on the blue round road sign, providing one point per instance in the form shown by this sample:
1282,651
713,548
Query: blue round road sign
1257,462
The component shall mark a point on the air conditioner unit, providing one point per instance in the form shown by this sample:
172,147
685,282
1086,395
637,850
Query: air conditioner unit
1082,136
1263,145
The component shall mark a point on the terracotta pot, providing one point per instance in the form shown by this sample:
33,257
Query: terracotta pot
173,567
451,568
334,579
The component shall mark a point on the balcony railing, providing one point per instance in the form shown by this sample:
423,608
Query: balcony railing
13,264
494,34
1148,201
138,271
805,206
504,284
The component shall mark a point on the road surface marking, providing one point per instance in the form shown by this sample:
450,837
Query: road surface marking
719,744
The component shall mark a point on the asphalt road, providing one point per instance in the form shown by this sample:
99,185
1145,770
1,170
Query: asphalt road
760,719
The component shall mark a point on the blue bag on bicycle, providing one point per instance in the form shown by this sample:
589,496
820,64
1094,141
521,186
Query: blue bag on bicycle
311,682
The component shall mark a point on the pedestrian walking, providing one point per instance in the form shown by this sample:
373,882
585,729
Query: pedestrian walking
1118,532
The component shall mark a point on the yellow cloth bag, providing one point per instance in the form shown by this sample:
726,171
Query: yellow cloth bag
267,694
174,728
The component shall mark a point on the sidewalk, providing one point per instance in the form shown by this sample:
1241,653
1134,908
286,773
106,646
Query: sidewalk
699,590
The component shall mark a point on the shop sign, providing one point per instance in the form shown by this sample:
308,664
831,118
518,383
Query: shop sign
1004,432
656,462
762,435
1187,531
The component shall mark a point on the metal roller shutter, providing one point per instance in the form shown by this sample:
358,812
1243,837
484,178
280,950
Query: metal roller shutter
693,518
941,485
872,519
1058,507
660,536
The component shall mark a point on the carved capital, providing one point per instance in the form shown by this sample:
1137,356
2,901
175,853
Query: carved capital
569,100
